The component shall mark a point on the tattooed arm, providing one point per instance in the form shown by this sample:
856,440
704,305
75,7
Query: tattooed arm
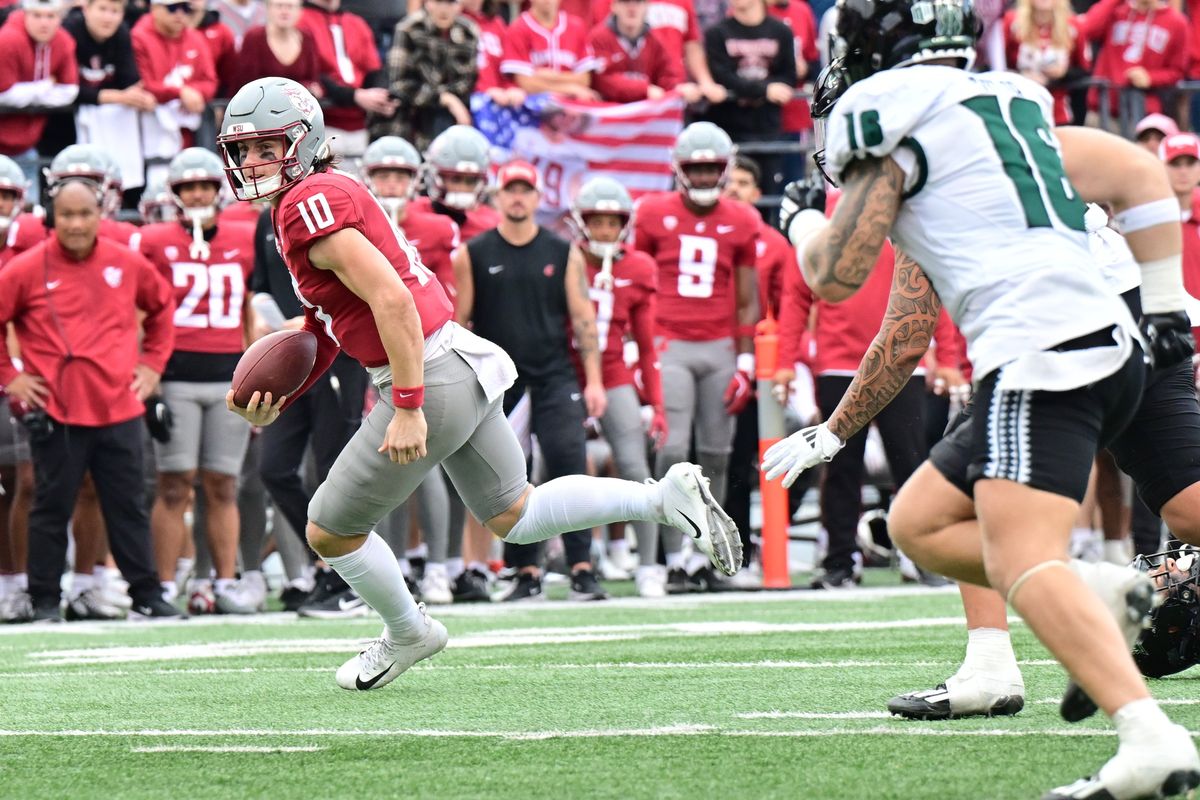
583,323
838,259
907,329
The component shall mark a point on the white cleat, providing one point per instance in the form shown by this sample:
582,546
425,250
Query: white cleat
252,590
1129,596
435,588
384,660
651,581
1164,767
689,506
970,695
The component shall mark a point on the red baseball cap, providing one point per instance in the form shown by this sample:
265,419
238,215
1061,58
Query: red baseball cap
1156,122
515,171
1181,144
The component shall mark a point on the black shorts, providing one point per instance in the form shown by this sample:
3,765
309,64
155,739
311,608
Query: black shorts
1160,449
1046,440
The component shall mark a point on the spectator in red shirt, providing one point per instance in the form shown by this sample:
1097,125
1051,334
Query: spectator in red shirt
352,73
1181,154
1043,43
176,65
74,302
37,68
547,50
280,48
492,30
798,16
222,45
633,62
1144,45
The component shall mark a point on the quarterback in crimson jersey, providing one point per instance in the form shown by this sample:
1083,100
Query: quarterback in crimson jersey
366,291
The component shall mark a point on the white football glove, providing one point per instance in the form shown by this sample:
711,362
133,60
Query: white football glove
800,451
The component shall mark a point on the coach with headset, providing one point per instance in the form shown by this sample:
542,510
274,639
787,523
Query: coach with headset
74,302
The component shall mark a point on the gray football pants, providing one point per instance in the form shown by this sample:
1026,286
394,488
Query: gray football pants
622,428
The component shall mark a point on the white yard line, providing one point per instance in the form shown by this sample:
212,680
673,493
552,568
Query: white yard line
185,748
516,637
814,715
683,729
1053,701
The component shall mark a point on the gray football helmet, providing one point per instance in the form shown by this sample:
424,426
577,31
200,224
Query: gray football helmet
194,165
12,179
602,196
702,143
89,162
272,108
391,152
459,150
157,203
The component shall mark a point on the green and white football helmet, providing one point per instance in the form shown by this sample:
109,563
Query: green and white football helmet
272,108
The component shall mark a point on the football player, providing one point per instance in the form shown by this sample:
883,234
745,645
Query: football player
621,286
209,265
704,246
366,291
456,178
1058,371
390,168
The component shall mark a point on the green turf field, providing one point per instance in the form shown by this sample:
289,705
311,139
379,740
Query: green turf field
705,698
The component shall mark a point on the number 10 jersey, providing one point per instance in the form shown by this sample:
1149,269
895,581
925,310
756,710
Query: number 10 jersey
988,211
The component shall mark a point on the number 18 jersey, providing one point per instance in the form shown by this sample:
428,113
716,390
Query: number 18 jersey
697,256
988,211
323,204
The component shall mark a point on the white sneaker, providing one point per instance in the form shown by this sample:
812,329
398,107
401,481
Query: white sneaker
689,506
651,581
435,588
384,660
16,607
90,605
1129,596
233,601
746,579
1165,767
113,588
252,590
609,571
624,560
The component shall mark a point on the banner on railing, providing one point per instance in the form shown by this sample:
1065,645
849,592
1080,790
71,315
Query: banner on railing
570,141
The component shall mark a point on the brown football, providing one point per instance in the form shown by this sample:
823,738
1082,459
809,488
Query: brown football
278,363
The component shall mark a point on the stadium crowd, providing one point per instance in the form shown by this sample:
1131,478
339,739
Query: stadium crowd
131,282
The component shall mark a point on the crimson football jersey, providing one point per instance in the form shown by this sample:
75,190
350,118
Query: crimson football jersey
323,204
480,219
774,255
436,238
627,308
697,257
244,213
209,292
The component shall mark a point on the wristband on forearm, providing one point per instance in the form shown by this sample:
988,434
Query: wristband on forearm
411,397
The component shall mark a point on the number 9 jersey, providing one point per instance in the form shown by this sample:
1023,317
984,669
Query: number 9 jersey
325,203
988,211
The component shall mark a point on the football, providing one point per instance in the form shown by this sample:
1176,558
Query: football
278,363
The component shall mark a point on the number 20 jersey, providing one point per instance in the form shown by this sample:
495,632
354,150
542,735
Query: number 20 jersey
323,204
988,212
697,256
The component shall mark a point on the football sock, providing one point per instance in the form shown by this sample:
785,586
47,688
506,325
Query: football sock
618,548
224,585
373,572
696,562
1118,551
1140,720
22,581
170,591
454,567
989,651
80,583
676,560
579,502
435,568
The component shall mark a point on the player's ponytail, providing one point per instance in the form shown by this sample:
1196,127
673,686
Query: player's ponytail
325,159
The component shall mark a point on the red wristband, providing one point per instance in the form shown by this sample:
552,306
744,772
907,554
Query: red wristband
413,397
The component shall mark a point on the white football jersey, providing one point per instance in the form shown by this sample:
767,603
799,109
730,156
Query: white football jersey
1113,256
989,215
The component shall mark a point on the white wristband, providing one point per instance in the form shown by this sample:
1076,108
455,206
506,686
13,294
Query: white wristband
1162,285
745,363
804,225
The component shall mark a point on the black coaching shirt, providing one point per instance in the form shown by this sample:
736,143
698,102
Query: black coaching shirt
521,301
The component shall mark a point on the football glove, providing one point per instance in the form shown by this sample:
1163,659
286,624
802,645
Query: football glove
159,419
658,427
738,393
800,451
799,196
1170,338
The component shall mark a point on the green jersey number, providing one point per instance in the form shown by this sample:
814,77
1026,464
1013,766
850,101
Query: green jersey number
1027,122
868,125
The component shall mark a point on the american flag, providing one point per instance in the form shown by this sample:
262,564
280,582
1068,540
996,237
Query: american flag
571,141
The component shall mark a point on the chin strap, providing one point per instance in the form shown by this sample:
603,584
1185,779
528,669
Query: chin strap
604,279
199,248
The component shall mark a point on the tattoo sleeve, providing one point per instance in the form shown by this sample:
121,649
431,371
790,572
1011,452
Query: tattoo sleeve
838,260
907,329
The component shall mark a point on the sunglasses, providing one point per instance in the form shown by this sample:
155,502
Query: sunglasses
177,8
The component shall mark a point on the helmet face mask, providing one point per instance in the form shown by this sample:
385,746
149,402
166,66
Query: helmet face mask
459,152
1172,642
274,110
602,196
391,154
195,165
